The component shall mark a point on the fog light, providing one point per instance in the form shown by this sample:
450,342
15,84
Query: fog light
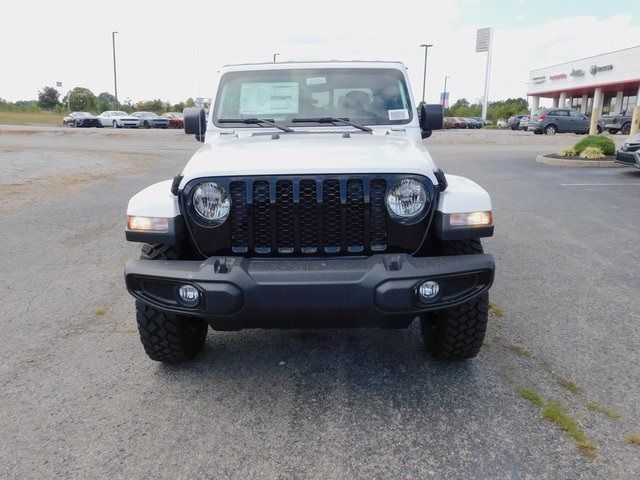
428,290
189,295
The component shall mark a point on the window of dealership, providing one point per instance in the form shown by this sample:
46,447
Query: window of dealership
607,84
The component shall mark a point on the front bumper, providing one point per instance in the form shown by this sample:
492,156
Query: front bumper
380,290
630,159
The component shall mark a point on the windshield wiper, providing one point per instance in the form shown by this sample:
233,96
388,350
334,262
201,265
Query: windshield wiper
333,121
256,121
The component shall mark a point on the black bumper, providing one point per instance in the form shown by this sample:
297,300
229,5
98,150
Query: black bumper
630,159
380,290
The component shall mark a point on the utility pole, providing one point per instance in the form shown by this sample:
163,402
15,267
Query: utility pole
444,93
115,76
274,57
424,76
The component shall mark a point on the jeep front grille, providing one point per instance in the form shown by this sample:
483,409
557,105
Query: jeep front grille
308,216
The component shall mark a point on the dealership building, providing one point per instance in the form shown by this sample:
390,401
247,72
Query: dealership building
607,83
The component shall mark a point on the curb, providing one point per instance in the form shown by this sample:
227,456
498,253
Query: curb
566,162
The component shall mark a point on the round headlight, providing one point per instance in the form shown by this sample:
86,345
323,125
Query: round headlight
211,202
406,199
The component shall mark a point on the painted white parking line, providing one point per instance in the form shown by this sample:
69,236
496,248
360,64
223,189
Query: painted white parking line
600,184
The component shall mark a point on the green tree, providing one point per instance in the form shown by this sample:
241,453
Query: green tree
48,98
190,103
106,101
81,99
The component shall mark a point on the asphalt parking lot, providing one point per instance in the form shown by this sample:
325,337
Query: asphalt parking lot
79,398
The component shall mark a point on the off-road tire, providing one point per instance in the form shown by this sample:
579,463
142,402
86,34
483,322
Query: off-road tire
612,131
457,333
626,128
168,338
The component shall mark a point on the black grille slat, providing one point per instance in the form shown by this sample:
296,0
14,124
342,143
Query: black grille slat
261,217
331,207
285,217
378,216
307,213
334,215
354,227
239,217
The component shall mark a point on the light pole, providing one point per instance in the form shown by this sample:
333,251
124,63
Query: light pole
424,76
115,76
274,57
444,93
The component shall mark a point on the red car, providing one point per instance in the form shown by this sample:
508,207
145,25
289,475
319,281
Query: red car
175,119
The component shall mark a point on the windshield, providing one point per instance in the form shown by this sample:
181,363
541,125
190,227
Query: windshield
121,114
366,96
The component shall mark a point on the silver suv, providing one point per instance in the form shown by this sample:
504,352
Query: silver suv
559,120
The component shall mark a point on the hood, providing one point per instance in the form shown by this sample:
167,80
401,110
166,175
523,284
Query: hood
308,154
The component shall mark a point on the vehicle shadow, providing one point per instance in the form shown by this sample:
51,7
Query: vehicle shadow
310,366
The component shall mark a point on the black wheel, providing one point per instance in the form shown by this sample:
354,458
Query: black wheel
613,131
115,124
599,129
146,124
167,337
626,129
551,129
457,333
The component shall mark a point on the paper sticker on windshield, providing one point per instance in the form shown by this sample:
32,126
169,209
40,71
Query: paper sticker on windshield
262,99
316,80
401,114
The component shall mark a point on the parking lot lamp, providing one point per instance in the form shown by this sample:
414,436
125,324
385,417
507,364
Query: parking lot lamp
424,75
115,77
274,57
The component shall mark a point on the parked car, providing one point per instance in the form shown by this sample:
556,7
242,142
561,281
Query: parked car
524,122
514,121
472,123
481,122
559,120
81,119
150,119
460,123
617,123
502,123
118,119
454,122
176,119
629,154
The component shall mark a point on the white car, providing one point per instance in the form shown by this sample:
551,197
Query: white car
118,119
312,203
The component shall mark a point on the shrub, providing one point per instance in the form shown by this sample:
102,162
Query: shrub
568,152
605,144
591,153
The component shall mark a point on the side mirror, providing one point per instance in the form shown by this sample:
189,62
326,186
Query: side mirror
431,118
195,122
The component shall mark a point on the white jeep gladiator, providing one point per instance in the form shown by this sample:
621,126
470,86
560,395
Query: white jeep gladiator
313,203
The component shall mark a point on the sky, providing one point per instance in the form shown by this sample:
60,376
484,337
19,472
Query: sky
173,50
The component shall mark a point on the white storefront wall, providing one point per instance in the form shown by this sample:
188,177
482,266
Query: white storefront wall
614,72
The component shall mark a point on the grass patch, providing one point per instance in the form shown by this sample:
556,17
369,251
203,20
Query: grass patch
608,411
532,396
633,439
557,414
495,309
31,118
521,352
569,385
